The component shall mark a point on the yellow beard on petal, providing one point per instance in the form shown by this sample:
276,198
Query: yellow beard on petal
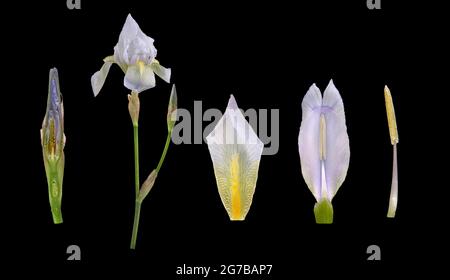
236,204
141,66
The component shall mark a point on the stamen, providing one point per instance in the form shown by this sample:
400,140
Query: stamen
392,123
322,138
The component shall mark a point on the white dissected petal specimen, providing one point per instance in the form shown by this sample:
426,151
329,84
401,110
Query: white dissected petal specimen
323,144
235,151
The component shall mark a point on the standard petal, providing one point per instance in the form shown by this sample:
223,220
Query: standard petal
129,31
236,152
309,140
162,72
133,44
98,79
337,142
137,81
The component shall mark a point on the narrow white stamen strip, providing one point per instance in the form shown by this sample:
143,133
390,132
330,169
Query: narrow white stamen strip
322,137
394,186
323,184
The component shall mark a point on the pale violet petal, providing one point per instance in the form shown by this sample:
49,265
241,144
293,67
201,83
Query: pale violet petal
129,31
337,142
161,71
236,152
136,82
308,140
99,77
133,44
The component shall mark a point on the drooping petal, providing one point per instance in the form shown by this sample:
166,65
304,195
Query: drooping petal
99,77
236,152
337,142
162,72
308,140
139,80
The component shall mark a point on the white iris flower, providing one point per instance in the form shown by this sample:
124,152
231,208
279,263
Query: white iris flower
136,56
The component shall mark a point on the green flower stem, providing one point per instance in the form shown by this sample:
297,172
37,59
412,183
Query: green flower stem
166,147
137,208
137,213
323,211
136,159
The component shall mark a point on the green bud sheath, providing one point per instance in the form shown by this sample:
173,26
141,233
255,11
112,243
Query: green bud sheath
323,211
171,110
55,171
134,106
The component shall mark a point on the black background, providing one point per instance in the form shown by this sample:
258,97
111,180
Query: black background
267,55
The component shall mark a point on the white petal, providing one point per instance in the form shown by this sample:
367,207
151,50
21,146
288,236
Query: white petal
236,152
308,140
135,81
133,44
162,72
129,31
337,142
98,79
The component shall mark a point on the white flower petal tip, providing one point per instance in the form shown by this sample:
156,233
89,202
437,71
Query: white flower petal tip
323,142
232,104
236,152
